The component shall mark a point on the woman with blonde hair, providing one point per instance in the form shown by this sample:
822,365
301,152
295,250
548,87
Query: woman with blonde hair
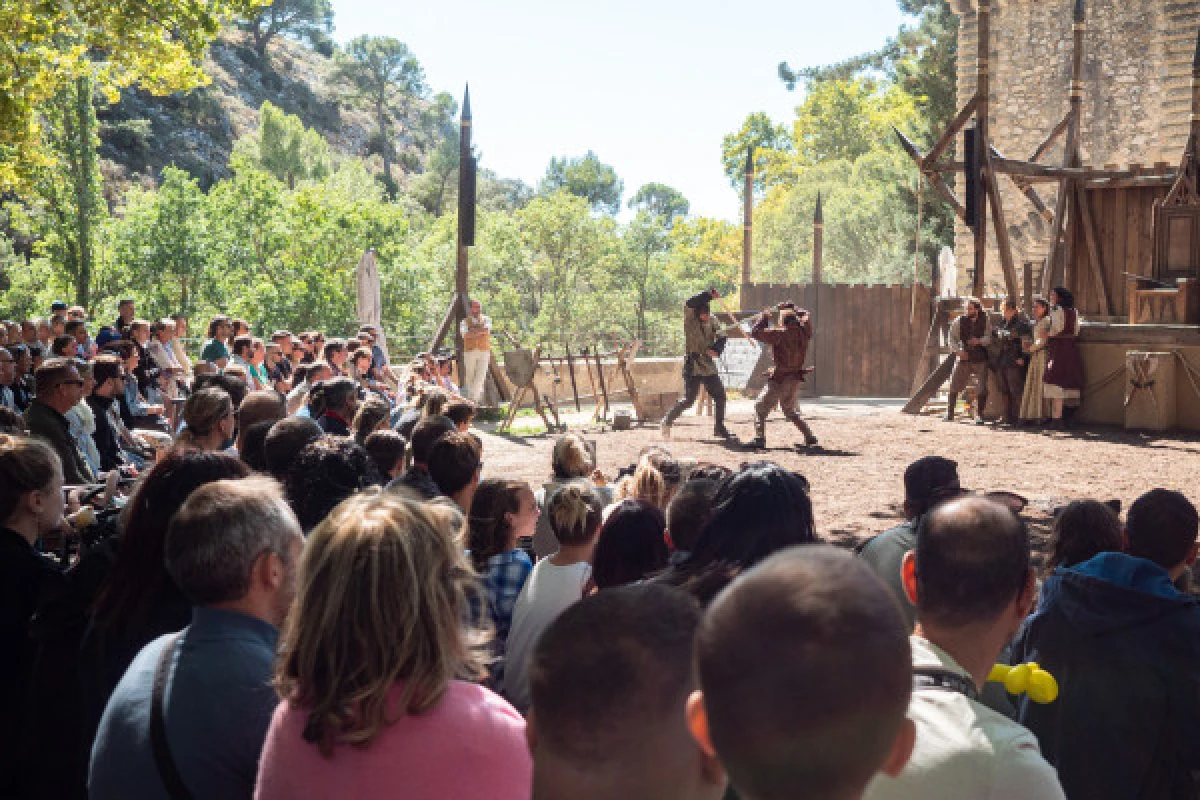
572,463
374,665
654,481
554,584
210,422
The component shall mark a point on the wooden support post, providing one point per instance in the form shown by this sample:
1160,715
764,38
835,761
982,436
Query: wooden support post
947,137
1002,240
983,17
601,410
928,389
747,225
440,335
1027,289
1094,255
574,386
935,180
1051,139
1070,155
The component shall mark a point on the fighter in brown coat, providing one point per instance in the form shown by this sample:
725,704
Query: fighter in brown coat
789,347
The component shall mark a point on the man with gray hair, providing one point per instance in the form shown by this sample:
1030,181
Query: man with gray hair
189,717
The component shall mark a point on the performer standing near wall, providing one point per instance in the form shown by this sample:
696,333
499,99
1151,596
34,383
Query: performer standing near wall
1014,339
789,347
477,352
703,342
970,336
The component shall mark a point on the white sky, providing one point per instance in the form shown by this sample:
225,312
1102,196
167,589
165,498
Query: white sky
650,86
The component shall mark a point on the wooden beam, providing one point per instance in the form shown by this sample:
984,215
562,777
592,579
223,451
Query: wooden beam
1045,173
1137,182
952,130
1052,138
935,180
447,321
983,22
1056,232
1089,234
931,386
1002,241
1030,193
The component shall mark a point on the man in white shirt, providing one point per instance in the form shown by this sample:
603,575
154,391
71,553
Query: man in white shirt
476,331
972,584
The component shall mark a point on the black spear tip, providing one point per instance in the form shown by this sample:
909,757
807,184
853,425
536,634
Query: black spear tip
750,161
819,217
466,112
1080,10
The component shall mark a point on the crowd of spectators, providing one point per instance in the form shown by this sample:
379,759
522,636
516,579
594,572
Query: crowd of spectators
275,570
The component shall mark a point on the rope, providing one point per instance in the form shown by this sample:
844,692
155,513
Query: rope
1100,384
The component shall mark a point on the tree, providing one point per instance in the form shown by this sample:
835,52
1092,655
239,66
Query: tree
661,201
303,19
771,145
647,242
437,184
585,177
285,148
382,71
157,45
846,119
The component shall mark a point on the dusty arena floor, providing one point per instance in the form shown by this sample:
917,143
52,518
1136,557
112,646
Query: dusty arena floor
857,474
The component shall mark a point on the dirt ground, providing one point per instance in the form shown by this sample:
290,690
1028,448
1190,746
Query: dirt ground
857,473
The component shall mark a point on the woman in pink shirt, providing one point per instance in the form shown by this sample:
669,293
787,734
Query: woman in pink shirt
372,666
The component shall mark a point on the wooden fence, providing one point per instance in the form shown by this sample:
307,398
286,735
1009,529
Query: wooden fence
867,341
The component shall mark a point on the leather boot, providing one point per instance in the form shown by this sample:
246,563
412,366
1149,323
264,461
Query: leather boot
760,435
951,402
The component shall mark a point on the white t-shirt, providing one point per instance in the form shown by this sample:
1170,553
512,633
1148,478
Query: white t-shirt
964,749
548,592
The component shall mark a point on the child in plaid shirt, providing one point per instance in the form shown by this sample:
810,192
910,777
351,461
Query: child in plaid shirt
501,513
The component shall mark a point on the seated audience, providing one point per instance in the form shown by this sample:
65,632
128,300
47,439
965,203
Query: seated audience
555,582
572,463
1124,644
455,463
252,445
215,350
805,675
82,421
758,511
285,441
1085,528
501,513
461,413
687,515
335,354
610,680
31,505
927,481
373,414
59,389
654,480
972,584
264,405
631,545
425,435
8,374
387,448
340,401
374,664
190,715
210,420
325,473
304,380
11,422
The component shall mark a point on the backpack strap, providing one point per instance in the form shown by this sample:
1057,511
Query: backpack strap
167,768
944,680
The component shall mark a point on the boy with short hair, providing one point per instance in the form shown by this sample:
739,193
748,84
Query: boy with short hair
805,677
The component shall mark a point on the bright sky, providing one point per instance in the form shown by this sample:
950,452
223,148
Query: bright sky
650,85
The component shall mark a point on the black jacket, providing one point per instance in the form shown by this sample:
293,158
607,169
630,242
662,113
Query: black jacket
108,443
1124,645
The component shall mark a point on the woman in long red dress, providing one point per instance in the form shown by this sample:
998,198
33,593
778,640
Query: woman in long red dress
1064,366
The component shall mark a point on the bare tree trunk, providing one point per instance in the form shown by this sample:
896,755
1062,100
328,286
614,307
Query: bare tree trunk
85,201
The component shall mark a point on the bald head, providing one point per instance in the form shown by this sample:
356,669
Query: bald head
972,562
806,673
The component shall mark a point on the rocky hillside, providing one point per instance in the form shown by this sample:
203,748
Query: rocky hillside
196,131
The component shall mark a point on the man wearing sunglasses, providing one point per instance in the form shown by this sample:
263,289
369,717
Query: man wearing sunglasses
58,389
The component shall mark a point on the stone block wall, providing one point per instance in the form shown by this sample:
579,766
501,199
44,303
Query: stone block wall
1136,108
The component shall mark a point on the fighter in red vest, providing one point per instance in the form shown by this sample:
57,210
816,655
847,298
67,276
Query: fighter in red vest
789,347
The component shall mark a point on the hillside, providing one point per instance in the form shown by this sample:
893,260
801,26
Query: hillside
196,131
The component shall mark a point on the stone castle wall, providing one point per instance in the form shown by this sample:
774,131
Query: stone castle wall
1136,108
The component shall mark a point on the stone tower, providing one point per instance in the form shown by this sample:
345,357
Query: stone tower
1136,106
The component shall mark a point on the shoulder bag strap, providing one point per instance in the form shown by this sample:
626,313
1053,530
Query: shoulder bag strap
944,680
167,769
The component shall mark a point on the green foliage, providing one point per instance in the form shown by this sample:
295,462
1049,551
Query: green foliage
771,145
587,177
661,201
283,147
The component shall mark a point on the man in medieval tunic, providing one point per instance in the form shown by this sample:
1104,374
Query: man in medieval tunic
789,348
970,336
1010,358
703,342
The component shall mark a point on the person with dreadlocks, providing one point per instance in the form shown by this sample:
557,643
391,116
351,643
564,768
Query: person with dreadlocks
789,347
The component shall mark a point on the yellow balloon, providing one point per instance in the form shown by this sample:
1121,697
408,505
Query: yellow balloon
1043,688
1018,679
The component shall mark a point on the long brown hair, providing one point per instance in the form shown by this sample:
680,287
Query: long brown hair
383,594
488,529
